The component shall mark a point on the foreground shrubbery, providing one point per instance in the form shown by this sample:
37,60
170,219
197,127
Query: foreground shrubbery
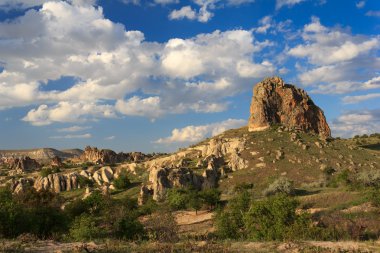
277,218
40,214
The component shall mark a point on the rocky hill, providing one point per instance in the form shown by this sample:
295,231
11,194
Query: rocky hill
42,154
275,102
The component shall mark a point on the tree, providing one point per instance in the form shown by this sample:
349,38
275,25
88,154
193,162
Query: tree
272,218
195,201
122,182
211,197
84,228
129,227
177,199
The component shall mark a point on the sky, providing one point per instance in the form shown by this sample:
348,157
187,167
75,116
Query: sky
156,75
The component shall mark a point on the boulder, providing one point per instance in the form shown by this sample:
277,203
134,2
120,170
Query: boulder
275,102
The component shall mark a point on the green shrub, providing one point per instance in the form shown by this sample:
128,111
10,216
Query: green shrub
281,185
129,228
177,199
210,197
85,182
274,218
122,182
229,223
84,228
46,171
162,227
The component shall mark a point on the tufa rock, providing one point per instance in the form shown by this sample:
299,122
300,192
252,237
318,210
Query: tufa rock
21,165
275,102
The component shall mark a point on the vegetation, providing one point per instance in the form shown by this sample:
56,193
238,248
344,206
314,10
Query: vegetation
122,182
46,171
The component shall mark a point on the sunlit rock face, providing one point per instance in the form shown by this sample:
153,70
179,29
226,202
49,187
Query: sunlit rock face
275,102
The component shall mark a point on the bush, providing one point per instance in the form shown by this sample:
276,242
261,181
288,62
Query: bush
229,223
129,228
122,182
177,199
85,182
46,171
210,197
281,185
163,227
271,219
84,228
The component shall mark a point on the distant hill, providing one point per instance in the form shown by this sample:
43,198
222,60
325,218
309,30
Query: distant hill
42,154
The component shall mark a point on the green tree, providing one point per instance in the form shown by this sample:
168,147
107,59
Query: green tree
122,182
195,201
210,197
84,228
177,198
129,227
272,219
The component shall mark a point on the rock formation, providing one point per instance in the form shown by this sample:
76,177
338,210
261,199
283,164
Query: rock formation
21,165
103,156
107,156
58,182
56,162
275,102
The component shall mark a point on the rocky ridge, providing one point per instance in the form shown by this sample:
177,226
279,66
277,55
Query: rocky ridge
275,102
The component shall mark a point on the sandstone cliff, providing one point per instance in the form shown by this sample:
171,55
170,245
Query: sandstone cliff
275,102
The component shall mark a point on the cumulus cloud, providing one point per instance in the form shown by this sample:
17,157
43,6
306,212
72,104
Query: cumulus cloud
192,134
137,106
359,98
72,136
180,74
73,129
184,12
290,3
68,112
204,12
357,122
25,4
338,62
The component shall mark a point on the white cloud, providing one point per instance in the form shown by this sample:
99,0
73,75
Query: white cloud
282,3
181,73
25,4
68,112
72,136
184,12
191,134
360,4
205,9
73,129
373,13
110,138
359,98
136,106
357,122
338,62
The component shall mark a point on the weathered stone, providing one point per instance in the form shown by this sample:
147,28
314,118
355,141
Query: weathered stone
275,102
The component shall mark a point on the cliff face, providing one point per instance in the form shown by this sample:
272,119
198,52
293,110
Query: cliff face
275,102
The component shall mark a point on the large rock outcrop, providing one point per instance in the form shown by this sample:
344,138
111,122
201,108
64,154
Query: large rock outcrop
275,102
107,156
20,165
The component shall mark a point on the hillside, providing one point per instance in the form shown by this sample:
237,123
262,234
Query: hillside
42,154
281,178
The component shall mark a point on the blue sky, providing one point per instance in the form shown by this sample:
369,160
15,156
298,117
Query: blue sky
160,74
